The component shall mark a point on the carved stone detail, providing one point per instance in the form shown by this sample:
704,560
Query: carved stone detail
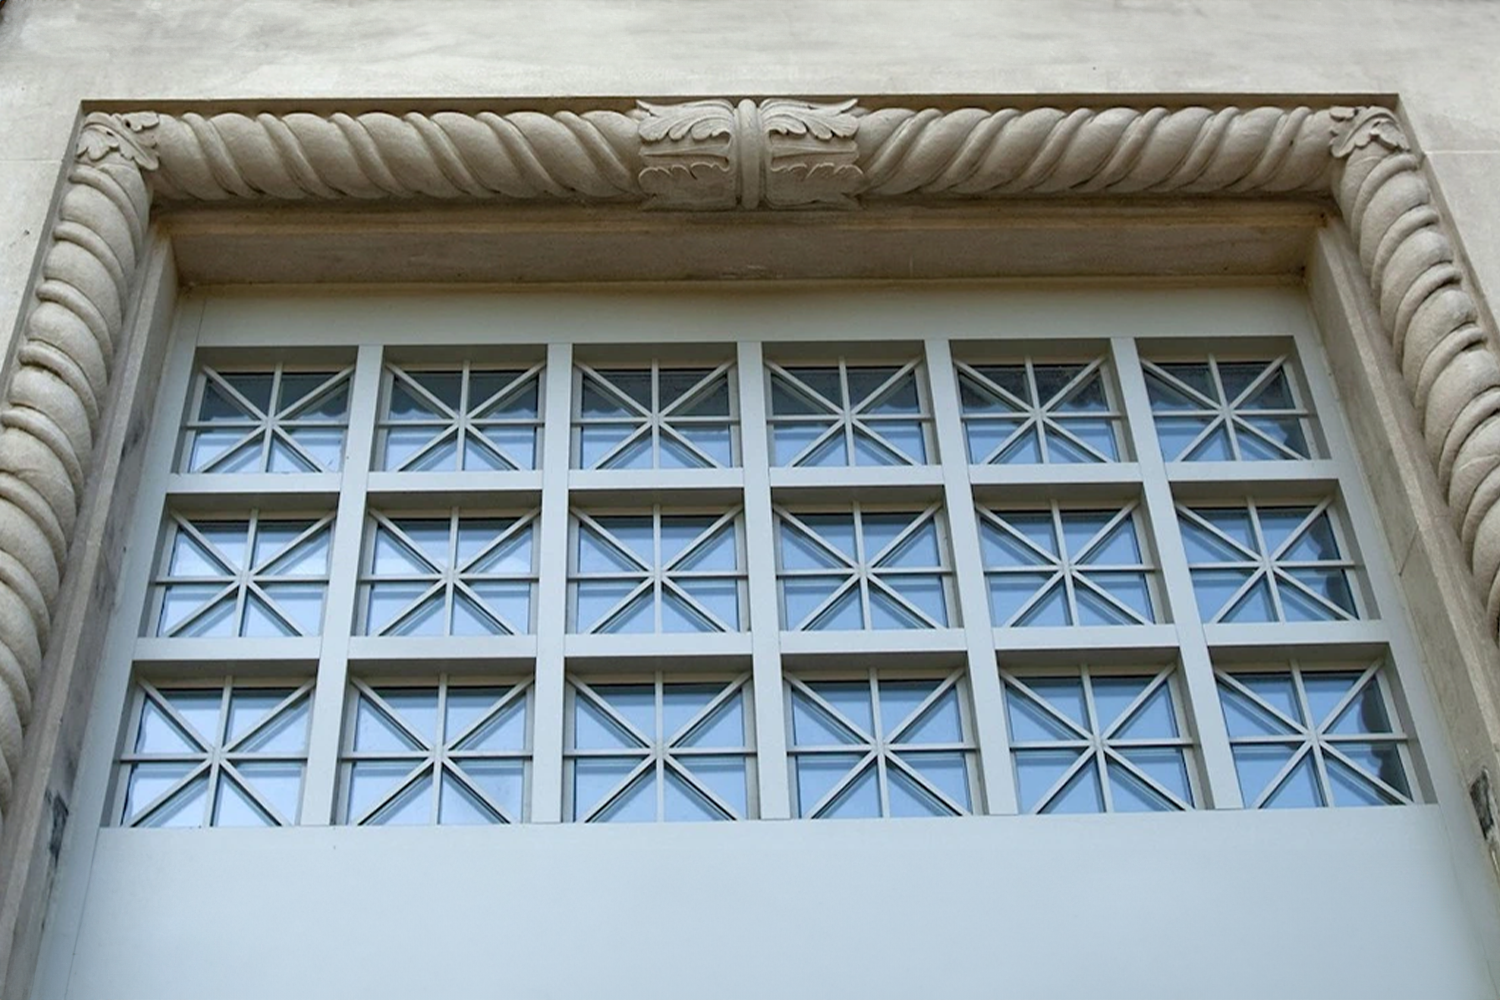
973,152
1448,360
711,154
524,155
57,389
781,153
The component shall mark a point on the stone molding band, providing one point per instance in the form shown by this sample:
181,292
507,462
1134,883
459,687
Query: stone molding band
704,155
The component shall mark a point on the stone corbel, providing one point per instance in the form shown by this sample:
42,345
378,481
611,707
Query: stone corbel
705,155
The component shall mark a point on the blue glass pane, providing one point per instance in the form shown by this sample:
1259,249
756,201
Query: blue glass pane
1257,766
1112,695
1167,766
819,774
1038,772
1081,794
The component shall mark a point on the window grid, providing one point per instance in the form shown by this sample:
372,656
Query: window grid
656,572
669,749
446,752
1316,735
1100,740
1043,412
843,414
285,419
663,417
257,575
864,568
467,418
1068,565
214,752
1163,486
883,744
1260,562
1222,409
461,573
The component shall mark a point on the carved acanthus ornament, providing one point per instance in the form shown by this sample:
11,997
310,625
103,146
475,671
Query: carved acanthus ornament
713,154
780,153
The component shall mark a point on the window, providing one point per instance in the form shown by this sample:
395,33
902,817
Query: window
452,752
452,575
261,575
972,574
470,418
862,568
270,420
655,417
1268,562
1315,735
1218,409
657,572
1067,566
668,749
849,414
215,753
883,744
1044,412
1090,741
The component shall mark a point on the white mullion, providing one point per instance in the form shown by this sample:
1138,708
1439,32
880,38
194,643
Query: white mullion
552,588
1065,562
991,733
761,586
1199,685
1038,407
656,567
1268,564
345,551
863,573
1097,742
658,744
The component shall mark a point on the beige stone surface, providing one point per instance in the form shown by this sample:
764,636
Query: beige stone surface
27,188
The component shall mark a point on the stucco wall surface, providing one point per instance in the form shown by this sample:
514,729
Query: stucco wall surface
1434,54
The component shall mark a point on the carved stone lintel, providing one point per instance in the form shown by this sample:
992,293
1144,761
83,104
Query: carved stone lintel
711,154
779,153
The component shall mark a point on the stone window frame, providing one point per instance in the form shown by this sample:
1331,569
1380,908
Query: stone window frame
1415,352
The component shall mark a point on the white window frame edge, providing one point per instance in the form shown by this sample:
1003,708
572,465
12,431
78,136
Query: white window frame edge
104,286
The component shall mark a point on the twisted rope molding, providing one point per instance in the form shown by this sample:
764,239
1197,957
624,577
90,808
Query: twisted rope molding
703,155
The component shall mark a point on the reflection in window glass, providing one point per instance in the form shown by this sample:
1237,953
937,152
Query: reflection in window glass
1221,410
1039,413
862,568
1065,566
230,753
279,419
1091,741
1257,562
656,572
880,744
849,414
452,752
1315,736
457,574
468,418
655,418
661,751
260,576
